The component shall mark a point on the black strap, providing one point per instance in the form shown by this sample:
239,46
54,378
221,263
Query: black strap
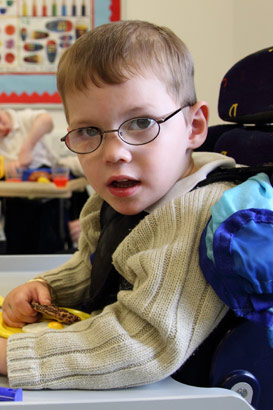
105,280
237,175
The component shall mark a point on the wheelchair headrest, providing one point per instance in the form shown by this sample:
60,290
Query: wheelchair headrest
246,91
248,145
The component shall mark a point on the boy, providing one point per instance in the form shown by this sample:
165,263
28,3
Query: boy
129,98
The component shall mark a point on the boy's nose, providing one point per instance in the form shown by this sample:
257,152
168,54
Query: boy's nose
114,149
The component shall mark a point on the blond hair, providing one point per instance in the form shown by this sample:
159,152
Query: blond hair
114,52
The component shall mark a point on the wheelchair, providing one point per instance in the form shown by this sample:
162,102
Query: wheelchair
243,360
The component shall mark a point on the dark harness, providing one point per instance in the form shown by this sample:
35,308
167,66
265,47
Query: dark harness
106,281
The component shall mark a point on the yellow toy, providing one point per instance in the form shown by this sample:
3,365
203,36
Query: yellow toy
2,170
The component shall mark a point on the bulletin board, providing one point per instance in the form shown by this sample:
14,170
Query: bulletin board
33,36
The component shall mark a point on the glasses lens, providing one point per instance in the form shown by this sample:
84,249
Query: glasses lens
139,131
83,140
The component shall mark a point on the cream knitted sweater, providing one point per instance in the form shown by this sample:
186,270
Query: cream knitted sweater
151,330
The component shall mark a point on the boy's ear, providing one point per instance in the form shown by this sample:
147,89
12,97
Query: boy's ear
198,117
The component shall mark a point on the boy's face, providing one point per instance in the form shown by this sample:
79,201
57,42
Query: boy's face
5,124
132,178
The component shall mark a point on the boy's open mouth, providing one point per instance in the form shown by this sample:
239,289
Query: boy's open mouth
124,183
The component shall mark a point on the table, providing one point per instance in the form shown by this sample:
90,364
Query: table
41,190
166,394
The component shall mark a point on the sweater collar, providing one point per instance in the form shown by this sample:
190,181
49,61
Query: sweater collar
205,162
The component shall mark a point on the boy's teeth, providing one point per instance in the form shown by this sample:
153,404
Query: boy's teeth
124,183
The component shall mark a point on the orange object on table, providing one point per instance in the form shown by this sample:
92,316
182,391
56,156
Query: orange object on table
15,179
27,189
60,175
60,181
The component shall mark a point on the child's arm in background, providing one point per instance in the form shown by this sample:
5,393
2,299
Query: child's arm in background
42,125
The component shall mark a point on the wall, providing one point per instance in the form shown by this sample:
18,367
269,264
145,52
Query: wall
218,33
253,26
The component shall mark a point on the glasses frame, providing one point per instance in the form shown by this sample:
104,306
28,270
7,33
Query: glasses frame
101,132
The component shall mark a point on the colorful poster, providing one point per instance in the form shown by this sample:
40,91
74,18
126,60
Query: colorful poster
105,11
33,36
28,88
35,33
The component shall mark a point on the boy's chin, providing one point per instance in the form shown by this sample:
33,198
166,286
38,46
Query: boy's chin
126,209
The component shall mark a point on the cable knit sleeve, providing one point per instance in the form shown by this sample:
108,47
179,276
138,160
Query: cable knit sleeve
70,282
152,329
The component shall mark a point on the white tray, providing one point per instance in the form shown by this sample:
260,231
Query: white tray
167,394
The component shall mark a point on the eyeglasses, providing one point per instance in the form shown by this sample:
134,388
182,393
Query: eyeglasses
136,131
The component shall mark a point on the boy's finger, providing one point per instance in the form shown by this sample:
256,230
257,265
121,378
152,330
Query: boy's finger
9,322
44,298
13,321
41,294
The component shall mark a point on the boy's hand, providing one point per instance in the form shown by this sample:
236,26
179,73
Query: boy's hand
3,356
17,310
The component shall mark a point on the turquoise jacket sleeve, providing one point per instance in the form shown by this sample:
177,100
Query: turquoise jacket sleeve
236,249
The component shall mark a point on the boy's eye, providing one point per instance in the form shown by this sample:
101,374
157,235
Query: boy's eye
140,123
89,132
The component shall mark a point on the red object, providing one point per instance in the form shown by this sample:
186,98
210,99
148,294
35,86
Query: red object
34,10
14,179
44,9
9,57
10,29
60,181
115,9
33,98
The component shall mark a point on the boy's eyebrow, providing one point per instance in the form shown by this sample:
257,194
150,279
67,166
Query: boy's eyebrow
141,110
131,113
